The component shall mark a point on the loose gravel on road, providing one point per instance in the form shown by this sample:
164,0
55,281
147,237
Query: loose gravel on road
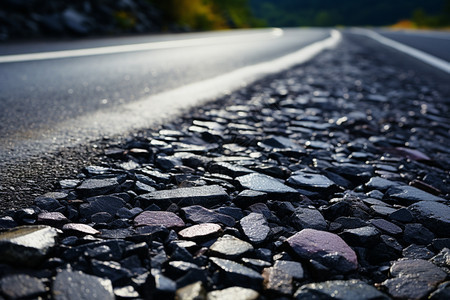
328,181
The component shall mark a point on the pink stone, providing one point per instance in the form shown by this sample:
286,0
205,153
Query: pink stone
200,231
80,228
163,218
320,245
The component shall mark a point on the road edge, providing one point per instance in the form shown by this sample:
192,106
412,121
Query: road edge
422,56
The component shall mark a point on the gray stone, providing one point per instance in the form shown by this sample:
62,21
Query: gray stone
158,218
292,268
325,247
74,285
21,286
386,226
442,259
364,236
339,289
199,214
230,247
27,245
409,195
308,218
310,181
266,184
229,169
206,196
109,204
381,184
255,227
434,215
417,252
235,293
249,197
237,274
94,187
442,292
46,203
413,278
416,233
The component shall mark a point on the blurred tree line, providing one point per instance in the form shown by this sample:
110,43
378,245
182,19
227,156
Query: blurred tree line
206,14
349,12
422,20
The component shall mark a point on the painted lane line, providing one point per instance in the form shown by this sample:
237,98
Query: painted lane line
158,108
425,57
274,33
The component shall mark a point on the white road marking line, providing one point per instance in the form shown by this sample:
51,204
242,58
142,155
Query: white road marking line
425,57
274,33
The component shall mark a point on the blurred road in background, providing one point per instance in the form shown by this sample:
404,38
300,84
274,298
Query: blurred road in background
432,42
44,85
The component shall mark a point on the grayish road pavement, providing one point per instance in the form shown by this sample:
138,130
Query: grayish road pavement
42,94
431,42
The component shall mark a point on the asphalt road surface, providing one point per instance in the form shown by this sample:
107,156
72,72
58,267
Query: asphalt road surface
48,86
431,42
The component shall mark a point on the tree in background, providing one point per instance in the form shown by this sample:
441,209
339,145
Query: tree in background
206,14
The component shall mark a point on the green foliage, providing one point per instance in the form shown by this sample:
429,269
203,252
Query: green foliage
125,20
206,14
422,20
340,12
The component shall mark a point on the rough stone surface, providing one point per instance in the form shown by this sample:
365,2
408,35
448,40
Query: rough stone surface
230,247
238,274
201,231
340,289
265,184
434,215
236,293
27,245
71,285
413,278
255,227
206,196
21,286
327,248
158,218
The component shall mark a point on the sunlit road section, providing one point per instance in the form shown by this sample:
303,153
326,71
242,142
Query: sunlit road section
60,93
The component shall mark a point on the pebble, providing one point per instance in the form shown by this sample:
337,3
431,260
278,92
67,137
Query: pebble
73,285
201,232
339,289
325,247
94,187
255,227
413,278
27,245
206,196
236,293
266,184
21,286
230,247
158,218
237,274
